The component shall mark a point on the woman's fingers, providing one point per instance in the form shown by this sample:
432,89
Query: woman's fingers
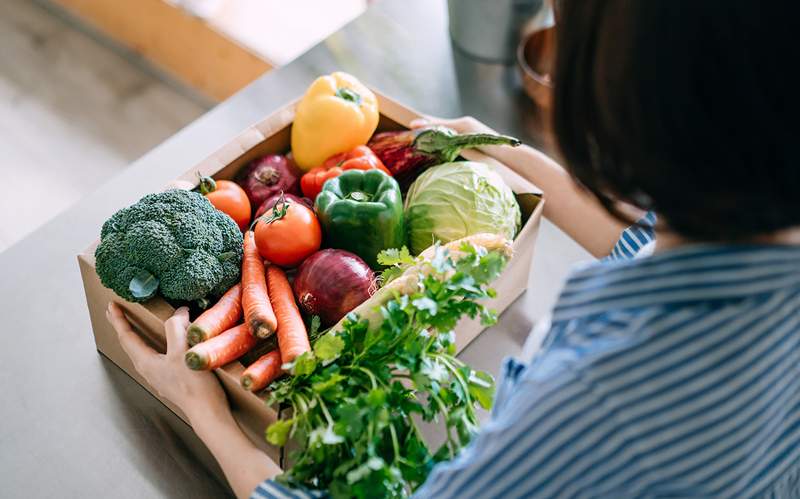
141,354
421,122
176,332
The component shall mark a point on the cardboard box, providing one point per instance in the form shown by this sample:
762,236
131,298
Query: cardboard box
272,136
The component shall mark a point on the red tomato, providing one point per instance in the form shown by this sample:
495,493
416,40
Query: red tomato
229,198
287,234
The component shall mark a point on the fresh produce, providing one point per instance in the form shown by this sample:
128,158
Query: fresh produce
221,349
258,313
361,211
271,201
404,271
360,158
292,334
458,199
356,398
174,243
268,176
331,282
225,314
336,114
408,151
287,233
262,372
227,197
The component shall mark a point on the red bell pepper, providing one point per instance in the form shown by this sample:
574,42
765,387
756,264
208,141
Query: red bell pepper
360,158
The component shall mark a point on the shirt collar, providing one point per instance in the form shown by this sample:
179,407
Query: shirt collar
689,274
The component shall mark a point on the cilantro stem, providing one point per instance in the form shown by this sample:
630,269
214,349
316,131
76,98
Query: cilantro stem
395,443
444,412
324,409
369,373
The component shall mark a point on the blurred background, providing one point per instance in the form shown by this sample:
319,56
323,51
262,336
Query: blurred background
89,86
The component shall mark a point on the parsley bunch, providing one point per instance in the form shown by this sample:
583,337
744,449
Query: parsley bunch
355,398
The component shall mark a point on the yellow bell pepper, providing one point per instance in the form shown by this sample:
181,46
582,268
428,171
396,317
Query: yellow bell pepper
336,114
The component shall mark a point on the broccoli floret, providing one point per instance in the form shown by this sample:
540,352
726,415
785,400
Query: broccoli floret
178,237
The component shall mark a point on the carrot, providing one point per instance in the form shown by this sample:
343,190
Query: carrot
225,314
292,334
258,312
221,349
262,372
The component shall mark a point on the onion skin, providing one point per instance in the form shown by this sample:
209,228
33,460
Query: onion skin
268,176
270,202
331,282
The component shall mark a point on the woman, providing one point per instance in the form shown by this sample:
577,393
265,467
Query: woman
675,374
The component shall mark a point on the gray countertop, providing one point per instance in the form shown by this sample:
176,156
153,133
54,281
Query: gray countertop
73,425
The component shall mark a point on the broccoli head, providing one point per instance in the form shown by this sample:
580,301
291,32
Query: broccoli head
174,243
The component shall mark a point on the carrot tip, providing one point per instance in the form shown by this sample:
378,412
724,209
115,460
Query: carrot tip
195,335
247,382
195,361
264,331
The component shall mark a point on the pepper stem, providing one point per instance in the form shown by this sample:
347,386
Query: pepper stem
447,145
207,184
361,197
349,95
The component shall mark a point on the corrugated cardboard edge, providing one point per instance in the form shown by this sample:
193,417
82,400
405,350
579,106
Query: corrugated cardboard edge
148,319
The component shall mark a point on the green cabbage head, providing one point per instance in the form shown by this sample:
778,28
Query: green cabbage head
459,199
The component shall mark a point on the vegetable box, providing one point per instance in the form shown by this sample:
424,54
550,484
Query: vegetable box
272,135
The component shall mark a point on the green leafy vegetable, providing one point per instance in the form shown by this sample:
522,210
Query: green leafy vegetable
357,399
397,260
455,200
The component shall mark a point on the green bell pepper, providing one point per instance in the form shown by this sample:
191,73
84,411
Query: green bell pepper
361,211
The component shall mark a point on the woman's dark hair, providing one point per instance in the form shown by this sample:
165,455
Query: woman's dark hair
685,107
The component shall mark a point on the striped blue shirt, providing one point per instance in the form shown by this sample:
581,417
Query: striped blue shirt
672,375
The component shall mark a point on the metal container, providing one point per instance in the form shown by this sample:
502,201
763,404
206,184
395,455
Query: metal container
489,30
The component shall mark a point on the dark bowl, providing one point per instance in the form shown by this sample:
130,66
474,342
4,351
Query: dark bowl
535,59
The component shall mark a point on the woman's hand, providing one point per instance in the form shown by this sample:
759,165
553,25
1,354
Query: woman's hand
191,391
462,125
570,207
199,395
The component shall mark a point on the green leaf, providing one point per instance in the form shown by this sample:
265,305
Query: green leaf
332,382
397,261
426,304
328,347
143,285
481,388
325,435
349,423
278,432
304,364
434,370
390,275
313,329
376,397
394,256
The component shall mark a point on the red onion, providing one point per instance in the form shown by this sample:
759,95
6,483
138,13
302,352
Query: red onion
270,202
268,176
331,282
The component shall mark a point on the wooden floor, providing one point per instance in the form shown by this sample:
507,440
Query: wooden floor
73,113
